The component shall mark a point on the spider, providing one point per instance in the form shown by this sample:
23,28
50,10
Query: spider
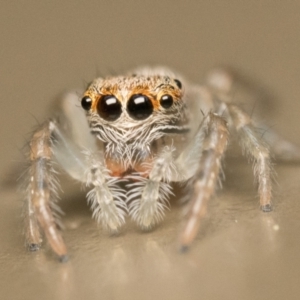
146,129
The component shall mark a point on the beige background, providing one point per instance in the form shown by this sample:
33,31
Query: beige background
241,253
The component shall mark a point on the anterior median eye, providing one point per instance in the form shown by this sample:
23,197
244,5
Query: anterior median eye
109,108
166,101
139,107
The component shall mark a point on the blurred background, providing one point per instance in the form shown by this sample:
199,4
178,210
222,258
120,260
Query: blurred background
48,47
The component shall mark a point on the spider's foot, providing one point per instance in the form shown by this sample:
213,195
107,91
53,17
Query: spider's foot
266,208
33,247
63,258
184,248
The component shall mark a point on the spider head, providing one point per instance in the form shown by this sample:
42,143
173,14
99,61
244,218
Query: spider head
128,102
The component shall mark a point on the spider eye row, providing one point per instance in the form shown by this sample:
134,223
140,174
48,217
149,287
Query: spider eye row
139,106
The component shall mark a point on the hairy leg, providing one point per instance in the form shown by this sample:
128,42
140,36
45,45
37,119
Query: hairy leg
250,137
214,144
255,147
222,83
41,194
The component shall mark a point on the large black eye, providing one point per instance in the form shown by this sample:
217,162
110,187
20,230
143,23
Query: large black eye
86,102
139,107
166,101
109,108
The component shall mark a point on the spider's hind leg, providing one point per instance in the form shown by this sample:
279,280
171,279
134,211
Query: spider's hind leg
223,82
253,143
256,148
282,149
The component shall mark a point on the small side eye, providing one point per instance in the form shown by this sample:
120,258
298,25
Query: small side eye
178,83
86,103
109,108
166,101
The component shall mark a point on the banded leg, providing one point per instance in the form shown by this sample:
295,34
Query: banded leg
254,147
41,194
214,145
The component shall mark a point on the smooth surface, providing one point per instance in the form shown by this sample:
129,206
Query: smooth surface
240,253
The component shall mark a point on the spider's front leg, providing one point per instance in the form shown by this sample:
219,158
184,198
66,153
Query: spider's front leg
41,194
214,137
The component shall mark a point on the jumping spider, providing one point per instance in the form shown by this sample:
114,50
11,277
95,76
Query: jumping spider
148,128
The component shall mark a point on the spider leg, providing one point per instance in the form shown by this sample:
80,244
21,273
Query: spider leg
32,232
222,84
252,142
206,177
279,146
41,194
65,140
255,147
